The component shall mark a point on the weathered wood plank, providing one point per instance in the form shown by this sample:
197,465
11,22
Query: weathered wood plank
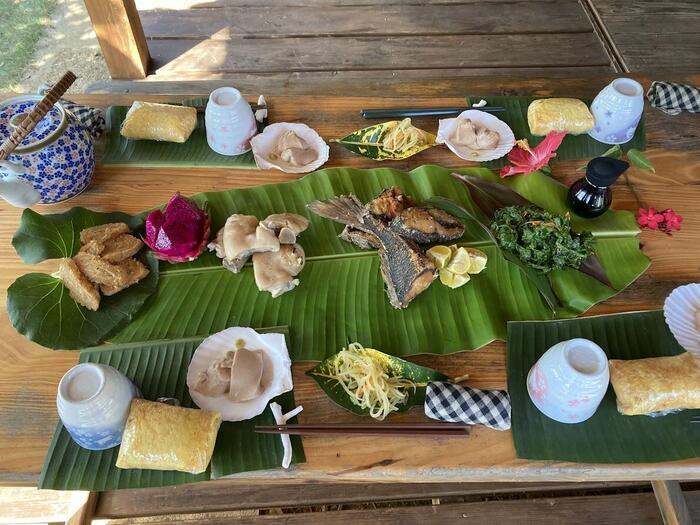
240,55
269,22
671,501
225,495
209,4
119,32
621,509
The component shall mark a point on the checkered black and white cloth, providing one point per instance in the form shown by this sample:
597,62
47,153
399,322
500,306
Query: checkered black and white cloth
449,402
92,119
673,98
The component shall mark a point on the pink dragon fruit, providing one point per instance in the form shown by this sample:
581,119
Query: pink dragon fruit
179,233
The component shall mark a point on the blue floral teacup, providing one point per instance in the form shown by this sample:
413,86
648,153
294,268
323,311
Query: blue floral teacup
617,110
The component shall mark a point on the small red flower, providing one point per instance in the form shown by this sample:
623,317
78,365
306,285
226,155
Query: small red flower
649,218
672,220
526,159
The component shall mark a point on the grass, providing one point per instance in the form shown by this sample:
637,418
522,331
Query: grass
23,23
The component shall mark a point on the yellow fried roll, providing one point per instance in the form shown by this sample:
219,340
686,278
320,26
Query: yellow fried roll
150,121
165,437
559,114
656,384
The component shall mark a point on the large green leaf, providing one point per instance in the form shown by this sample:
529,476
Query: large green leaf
574,147
607,437
38,304
368,142
341,296
194,152
396,368
159,369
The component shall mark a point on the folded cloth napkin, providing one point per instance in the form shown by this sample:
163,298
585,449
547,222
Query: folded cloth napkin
92,119
449,402
673,98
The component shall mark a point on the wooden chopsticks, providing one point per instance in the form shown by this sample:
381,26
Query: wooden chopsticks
384,429
422,112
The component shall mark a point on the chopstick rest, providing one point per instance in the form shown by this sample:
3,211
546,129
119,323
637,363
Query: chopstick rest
449,402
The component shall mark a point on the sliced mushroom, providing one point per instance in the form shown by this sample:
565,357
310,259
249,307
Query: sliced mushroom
240,237
275,271
286,226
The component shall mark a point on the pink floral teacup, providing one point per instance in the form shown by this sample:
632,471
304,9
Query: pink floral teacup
569,381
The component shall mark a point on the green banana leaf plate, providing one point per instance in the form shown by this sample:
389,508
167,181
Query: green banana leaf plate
574,147
608,436
159,369
195,152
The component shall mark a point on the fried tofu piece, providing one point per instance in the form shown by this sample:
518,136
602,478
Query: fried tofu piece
135,271
79,287
121,248
93,247
100,271
103,232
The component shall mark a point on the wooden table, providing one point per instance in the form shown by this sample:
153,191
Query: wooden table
29,374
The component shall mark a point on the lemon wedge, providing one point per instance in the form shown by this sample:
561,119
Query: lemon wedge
461,262
478,260
453,280
440,255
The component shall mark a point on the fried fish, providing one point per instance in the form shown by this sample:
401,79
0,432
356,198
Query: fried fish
427,225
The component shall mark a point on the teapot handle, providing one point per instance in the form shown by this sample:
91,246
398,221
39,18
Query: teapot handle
13,189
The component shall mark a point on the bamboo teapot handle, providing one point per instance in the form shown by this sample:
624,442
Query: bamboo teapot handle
36,114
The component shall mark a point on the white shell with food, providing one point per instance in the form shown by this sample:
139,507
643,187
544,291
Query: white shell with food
448,127
265,144
682,314
276,377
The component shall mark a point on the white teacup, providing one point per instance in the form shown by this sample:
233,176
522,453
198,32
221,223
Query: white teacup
93,403
229,121
617,110
569,381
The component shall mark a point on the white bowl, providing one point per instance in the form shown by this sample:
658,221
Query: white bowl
448,127
680,309
569,381
266,142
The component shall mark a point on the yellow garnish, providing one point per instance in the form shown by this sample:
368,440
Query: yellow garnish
440,255
456,263
460,262
453,280
478,260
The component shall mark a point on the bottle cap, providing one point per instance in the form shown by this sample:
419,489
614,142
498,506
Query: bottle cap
603,171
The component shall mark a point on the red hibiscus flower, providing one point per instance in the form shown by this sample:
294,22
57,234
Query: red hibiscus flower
649,218
526,160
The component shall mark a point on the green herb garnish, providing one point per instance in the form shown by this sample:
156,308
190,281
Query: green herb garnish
540,239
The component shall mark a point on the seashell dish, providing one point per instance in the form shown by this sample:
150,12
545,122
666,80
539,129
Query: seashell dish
448,128
266,147
272,378
682,314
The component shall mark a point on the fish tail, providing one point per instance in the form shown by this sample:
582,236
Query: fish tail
346,209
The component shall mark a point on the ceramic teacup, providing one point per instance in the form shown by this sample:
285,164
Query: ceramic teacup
93,403
617,110
569,381
230,122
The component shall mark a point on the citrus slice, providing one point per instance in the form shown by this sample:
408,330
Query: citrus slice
478,260
461,262
440,255
453,280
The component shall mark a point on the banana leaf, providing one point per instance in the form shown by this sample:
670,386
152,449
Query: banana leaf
368,142
574,147
341,295
396,368
159,368
195,152
607,437
40,307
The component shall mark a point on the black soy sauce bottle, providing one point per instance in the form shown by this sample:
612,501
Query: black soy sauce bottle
591,195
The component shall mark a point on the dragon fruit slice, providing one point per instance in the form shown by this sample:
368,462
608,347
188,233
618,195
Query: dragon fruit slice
179,233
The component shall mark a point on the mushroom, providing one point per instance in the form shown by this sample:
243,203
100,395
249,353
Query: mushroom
240,238
275,271
286,226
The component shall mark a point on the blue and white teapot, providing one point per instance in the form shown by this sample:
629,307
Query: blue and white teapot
56,160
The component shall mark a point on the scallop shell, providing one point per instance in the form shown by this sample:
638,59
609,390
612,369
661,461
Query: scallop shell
277,371
680,309
448,126
266,142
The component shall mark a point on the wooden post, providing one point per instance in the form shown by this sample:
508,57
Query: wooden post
672,504
119,31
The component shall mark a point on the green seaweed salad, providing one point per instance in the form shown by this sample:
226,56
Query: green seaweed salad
540,239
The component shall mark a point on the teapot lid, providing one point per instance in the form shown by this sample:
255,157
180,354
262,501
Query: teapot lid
14,110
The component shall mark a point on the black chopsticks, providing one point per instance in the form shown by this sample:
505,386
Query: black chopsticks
422,112
384,429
